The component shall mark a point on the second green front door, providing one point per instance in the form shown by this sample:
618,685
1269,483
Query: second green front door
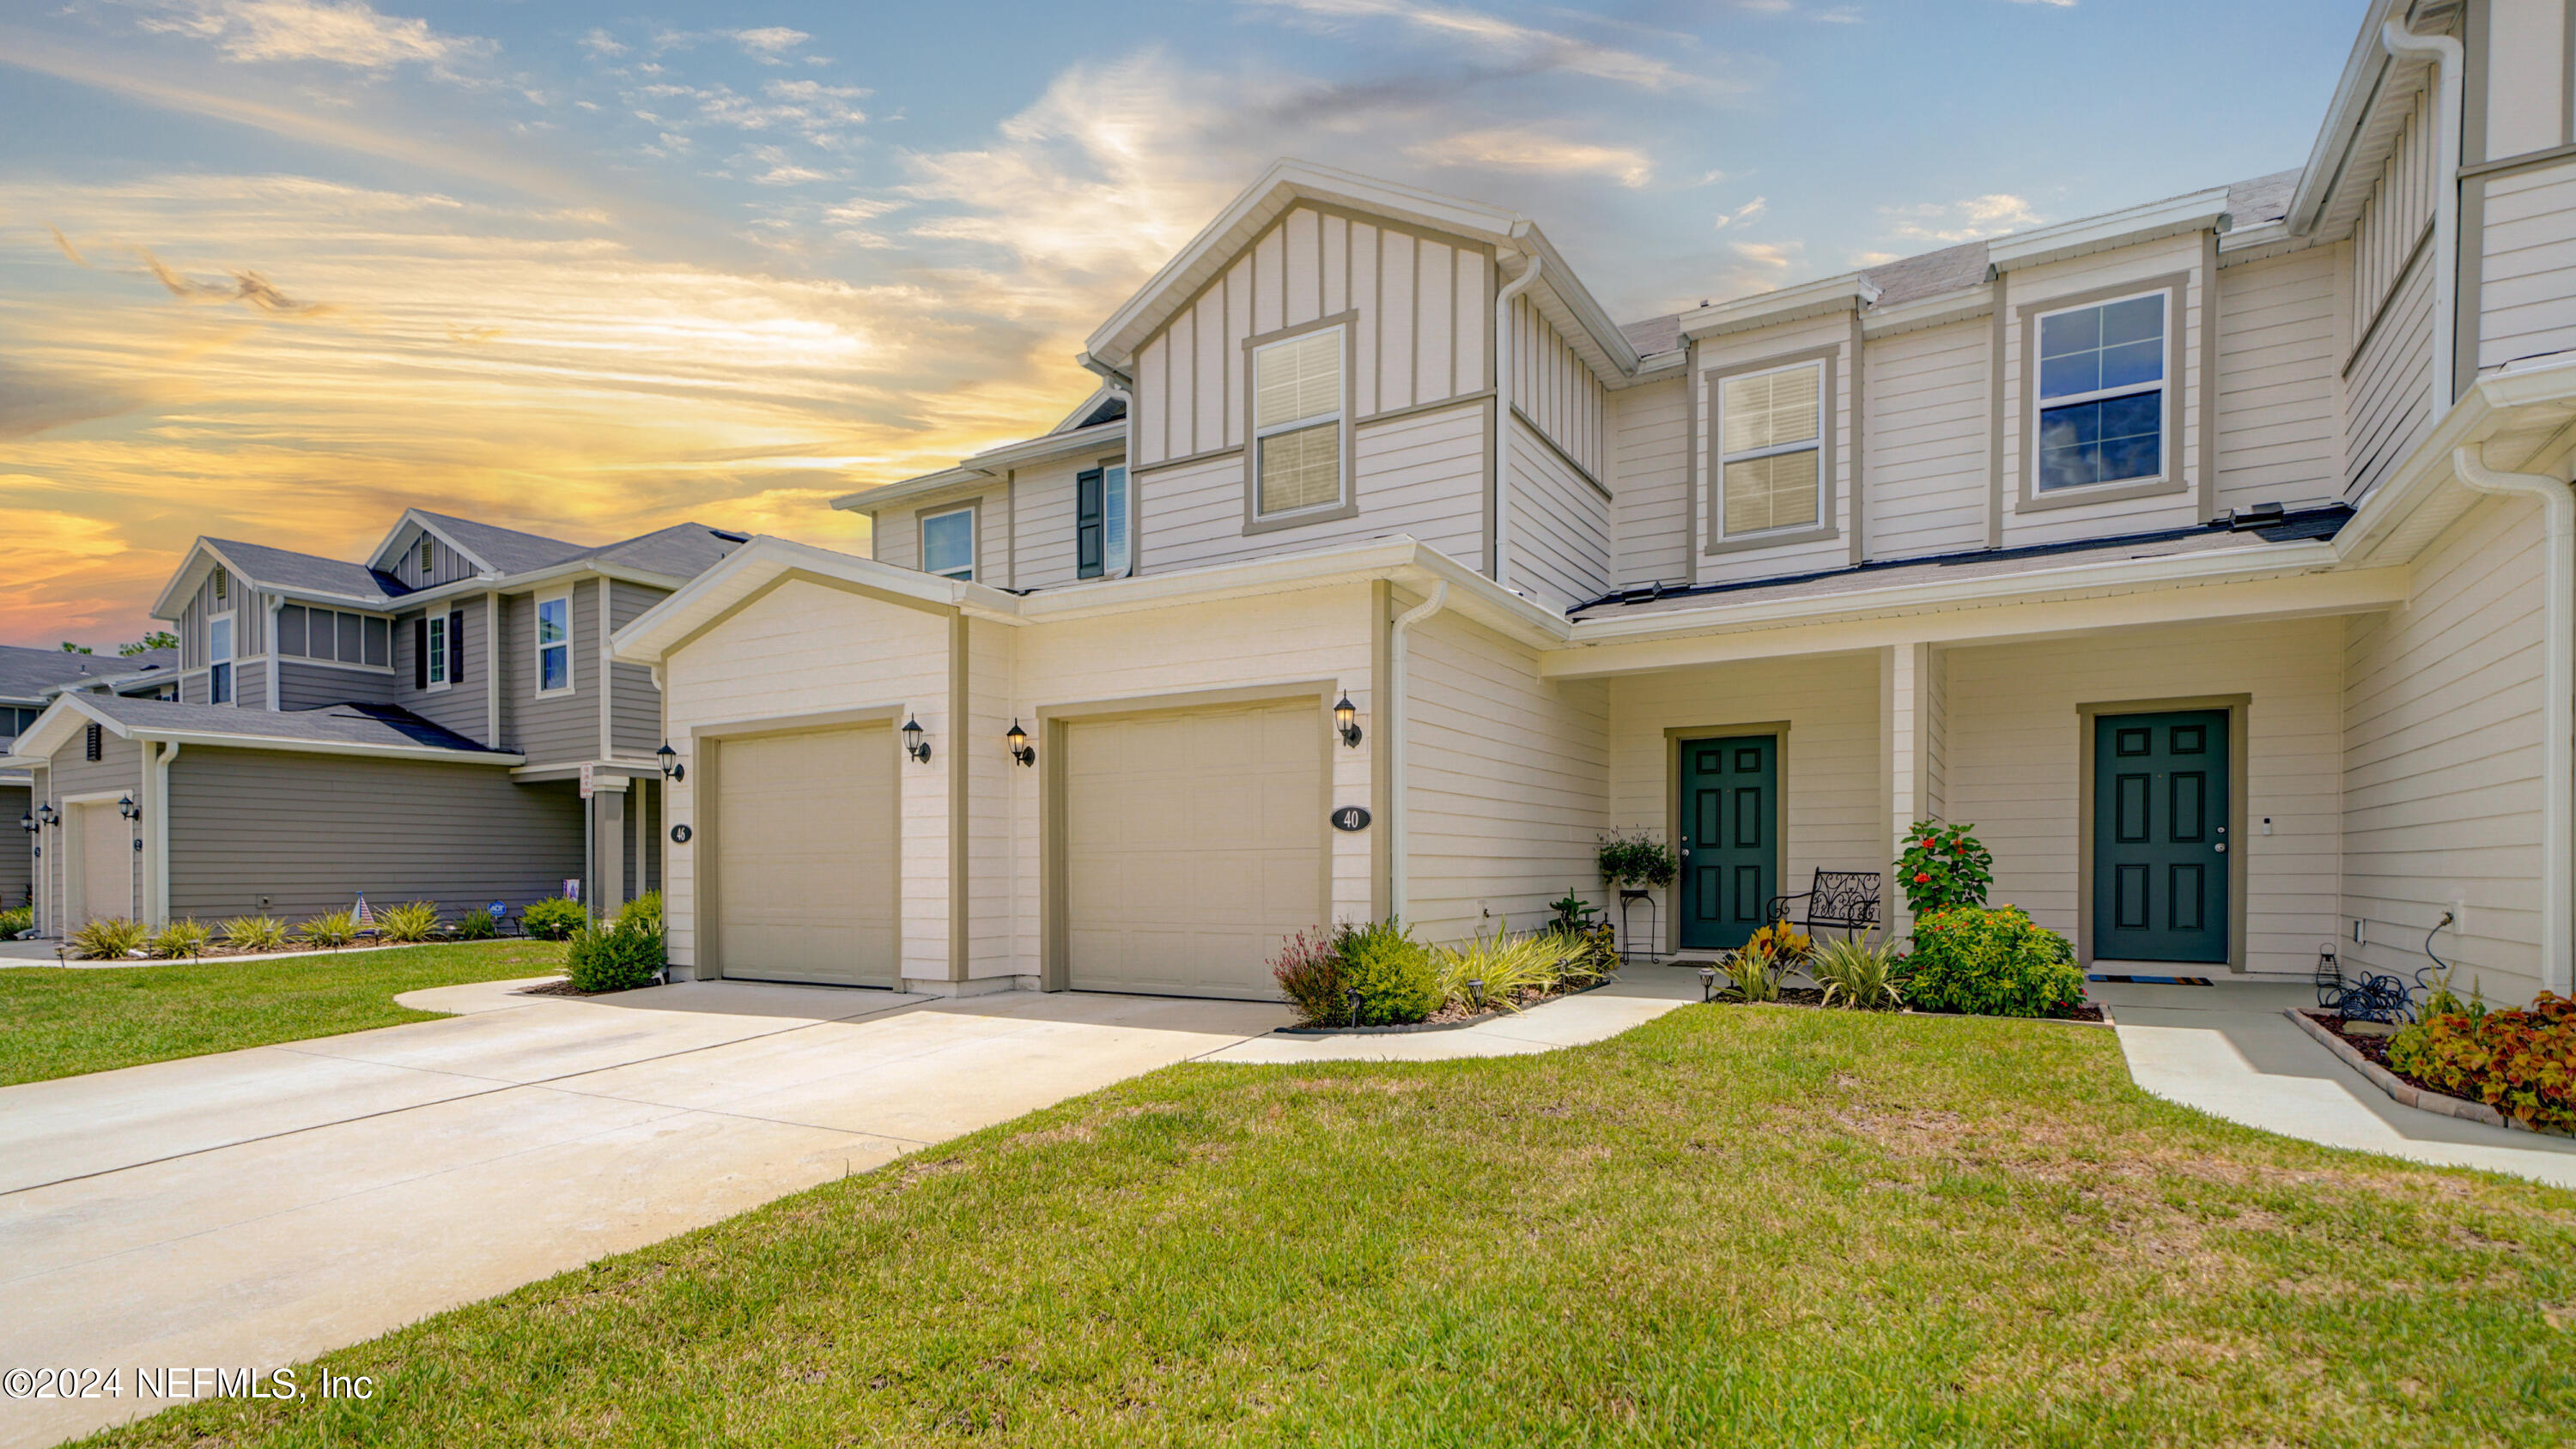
2160,842
1730,839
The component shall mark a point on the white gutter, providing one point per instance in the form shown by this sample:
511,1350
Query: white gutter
2558,702
158,802
293,746
276,606
1503,415
2445,53
1391,726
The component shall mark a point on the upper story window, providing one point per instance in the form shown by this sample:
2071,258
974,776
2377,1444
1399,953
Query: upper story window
428,558
334,637
1297,408
15,720
948,543
1771,439
1100,522
554,643
219,658
2102,393
433,659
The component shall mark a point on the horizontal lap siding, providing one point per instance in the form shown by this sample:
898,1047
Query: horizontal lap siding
1833,815
2442,756
636,725
2278,408
311,831
2528,272
1650,458
461,705
17,866
807,649
1507,779
1758,349
311,686
1926,477
1560,525
2386,408
2014,749
553,728
1042,528
1420,475
118,771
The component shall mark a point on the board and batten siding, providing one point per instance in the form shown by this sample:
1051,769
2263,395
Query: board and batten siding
1925,451
1555,390
1507,779
311,831
2014,750
807,649
245,603
446,564
2278,403
2442,758
1649,431
2527,266
2387,369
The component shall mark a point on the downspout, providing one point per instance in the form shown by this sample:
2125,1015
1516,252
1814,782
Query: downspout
1503,414
2558,700
1398,823
276,605
2445,53
162,755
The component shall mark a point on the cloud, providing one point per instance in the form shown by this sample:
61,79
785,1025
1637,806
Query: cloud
1742,214
1504,149
602,44
770,43
249,288
1523,47
65,243
1950,222
348,33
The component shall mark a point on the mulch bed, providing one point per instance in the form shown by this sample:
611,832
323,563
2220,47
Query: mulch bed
562,987
2373,1048
1451,1015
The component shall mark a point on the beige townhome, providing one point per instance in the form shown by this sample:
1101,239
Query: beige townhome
2213,557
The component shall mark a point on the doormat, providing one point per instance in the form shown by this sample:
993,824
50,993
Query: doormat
2155,980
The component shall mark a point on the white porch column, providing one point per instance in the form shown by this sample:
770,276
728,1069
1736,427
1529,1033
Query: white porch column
609,885
1910,693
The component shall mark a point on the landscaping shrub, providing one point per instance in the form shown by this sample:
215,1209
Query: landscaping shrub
335,930
1990,963
410,921
179,941
109,938
1590,955
1786,942
1943,866
1755,970
620,957
1309,974
555,919
1507,964
1391,971
477,926
646,909
17,922
1637,859
2520,1062
1856,973
255,933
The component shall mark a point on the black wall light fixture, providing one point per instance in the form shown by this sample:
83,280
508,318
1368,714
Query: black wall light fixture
127,808
48,815
1346,722
1021,749
672,769
913,744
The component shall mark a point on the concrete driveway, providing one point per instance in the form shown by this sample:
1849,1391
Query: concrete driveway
255,1208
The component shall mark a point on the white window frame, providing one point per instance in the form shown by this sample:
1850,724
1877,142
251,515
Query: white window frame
1816,445
1118,550
434,636
1339,417
2167,434
537,638
974,542
222,678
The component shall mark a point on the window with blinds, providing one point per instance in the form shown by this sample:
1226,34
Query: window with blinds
1770,434
1297,422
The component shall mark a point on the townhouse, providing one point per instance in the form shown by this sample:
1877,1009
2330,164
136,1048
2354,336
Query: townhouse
441,721
30,679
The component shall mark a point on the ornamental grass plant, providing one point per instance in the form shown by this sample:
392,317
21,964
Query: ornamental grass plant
109,938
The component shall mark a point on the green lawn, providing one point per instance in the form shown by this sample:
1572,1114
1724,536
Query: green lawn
1733,1226
58,1022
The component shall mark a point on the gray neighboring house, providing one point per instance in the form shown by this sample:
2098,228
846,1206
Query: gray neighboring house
415,726
30,680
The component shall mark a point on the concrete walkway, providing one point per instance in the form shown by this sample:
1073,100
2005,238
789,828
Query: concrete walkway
2227,1050
254,1208
1641,994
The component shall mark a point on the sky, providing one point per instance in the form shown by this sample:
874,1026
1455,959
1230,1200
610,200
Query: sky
277,269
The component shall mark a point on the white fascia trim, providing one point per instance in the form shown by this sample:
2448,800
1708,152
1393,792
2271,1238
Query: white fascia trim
216,739
1789,304
767,557
984,467
1937,310
2268,238
2200,211
621,770
2346,115
1609,353
172,598
571,571
384,546
2423,472
54,727
2256,561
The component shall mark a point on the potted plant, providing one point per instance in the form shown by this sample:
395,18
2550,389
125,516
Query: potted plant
1637,861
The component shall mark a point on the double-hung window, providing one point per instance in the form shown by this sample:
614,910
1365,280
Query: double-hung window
1100,522
554,643
2102,373
948,544
433,637
1297,408
219,659
1771,445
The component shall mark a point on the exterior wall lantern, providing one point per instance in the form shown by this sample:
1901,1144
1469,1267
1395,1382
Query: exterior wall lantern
913,744
48,815
1021,749
127,808
28,824
1346,722
672,769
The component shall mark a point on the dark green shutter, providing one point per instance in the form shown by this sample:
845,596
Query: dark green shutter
1086,524
420,652
456,647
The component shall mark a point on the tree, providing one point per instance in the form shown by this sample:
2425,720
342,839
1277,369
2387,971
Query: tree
71,648
157,639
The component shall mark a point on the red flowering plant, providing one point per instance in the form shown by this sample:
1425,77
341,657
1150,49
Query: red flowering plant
2522,1063
1943,866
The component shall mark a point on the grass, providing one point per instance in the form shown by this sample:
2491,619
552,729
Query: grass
59,1023
1734,1225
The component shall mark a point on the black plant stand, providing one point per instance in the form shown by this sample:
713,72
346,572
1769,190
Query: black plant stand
1629,896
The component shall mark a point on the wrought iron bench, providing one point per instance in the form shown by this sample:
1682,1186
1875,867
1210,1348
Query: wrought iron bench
1842,900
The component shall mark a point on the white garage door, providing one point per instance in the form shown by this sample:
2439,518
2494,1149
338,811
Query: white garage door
1193,843
805,856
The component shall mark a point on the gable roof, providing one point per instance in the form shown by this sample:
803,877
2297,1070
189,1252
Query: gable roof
28,675
341,729
494,548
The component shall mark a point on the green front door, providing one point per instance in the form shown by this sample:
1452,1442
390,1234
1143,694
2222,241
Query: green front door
2160,813
1730,839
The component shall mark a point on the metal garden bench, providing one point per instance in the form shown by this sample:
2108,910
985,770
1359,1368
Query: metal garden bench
1841,900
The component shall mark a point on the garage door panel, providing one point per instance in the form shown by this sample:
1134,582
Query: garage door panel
805,856
1194,844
